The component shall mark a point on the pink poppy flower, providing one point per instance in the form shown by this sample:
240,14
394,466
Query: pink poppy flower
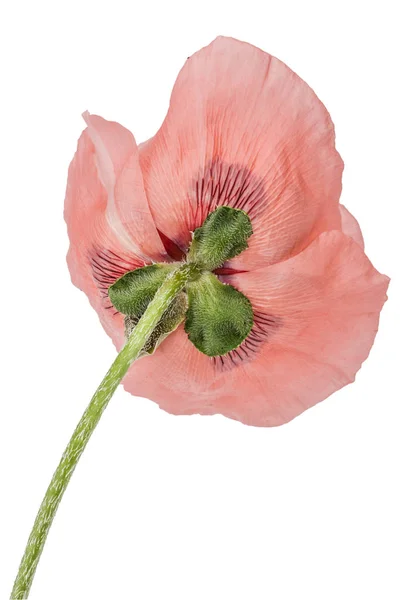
243,131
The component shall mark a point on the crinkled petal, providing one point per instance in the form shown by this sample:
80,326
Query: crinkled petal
243,130
127,212
320,312
97,255
350,226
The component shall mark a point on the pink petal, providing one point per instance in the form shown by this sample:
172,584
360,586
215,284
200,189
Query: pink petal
243,130
323,307
350,226
127,212
96,256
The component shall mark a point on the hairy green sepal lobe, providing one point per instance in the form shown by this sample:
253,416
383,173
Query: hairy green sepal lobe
222,236
171,319
219,317
132,293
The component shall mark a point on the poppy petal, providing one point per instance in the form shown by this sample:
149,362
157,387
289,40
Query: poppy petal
243,130
350,226
128,213
96,257
324,306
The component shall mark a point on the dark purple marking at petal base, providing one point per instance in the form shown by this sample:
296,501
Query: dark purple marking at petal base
263,328
107,267
222,184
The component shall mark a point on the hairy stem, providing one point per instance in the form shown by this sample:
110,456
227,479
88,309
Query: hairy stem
171,287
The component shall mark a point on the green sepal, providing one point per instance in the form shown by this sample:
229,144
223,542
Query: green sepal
132,293
219,317
171,319
222,236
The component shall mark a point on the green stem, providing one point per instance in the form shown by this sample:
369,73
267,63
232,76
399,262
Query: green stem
171,287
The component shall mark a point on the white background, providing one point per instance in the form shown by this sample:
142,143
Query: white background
188,507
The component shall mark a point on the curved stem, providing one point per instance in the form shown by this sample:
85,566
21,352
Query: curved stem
172,286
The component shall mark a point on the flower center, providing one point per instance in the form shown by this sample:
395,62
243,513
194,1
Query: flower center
218,318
